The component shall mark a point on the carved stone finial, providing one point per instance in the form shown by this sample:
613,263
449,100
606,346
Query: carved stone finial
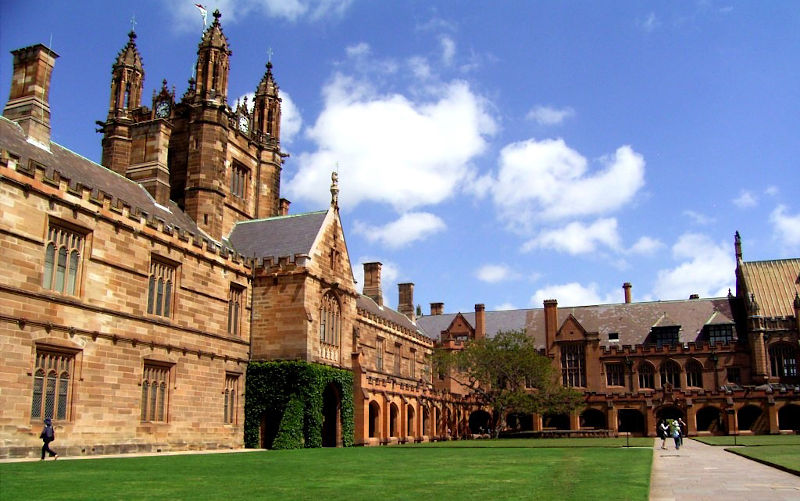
217,15
335,189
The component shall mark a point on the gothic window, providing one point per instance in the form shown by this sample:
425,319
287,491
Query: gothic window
235,302
615,374
330,318
155,392
380,349
231,394
398,349
647,375
159,289
719,333
412,370
238,180
671,374
573,365
51,385
734,375
62,260
783,360
694,374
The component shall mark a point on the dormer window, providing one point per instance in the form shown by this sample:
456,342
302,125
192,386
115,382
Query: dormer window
665,336
720,333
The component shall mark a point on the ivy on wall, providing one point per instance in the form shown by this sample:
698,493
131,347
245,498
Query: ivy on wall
288,398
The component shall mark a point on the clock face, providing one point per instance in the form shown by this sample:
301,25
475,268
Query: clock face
244,123
162,109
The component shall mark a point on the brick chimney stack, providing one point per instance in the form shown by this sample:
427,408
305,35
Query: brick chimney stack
405,303
372,282
480,321
627,287
550,324
437,308
284,206
29,99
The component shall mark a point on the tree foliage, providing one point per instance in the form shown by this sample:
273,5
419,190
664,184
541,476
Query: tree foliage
507,373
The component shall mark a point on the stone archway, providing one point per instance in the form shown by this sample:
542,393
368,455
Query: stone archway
749,417
556,421
374,420
709,419
789,417
394,415
331,410
410,422
670,412
631,421
479,422
594,419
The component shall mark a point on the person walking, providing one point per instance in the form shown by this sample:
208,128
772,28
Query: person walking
682,429
47,435
663,430
675,431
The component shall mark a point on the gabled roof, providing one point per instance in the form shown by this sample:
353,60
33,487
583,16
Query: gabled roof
82,171
277,236
774,285
632,321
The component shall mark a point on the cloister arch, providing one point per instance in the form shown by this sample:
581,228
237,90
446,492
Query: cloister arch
789,417
411,429
630,421
556,421
479,421
394,416
710,419
331,411
594,419
374,420
669,412
748,417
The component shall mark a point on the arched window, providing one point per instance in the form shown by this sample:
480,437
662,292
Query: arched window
51,385
329,327
573,365
647,375
62,259
671,374
783,360
694,374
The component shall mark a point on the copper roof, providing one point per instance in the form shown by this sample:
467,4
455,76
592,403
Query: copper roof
774,285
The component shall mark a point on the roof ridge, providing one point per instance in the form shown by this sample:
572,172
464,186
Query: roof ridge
288,216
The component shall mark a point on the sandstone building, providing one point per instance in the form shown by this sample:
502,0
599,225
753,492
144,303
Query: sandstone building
138,292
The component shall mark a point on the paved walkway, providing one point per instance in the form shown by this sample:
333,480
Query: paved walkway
704,472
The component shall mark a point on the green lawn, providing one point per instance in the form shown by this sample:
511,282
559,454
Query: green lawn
436,473
542,442
784,456
751,440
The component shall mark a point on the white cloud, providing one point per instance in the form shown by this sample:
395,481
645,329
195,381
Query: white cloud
650,22
448,50
392,149
646,246
706,269
771,191
358,50
572,294
698,218
410,227
785,227
577,238
548,115
187,16
494,273
745,200
505,307
546,180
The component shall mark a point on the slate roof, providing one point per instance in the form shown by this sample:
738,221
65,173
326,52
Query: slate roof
368,304
82,171
774,284
277,236
632,321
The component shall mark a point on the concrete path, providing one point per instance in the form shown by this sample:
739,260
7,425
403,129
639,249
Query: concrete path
704,472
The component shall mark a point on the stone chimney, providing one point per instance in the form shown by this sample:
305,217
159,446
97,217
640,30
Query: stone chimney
405,302
29,99
550,324
437,308
284,206
480,321
627,288
372,282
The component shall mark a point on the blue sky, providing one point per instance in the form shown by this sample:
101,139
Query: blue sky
493,152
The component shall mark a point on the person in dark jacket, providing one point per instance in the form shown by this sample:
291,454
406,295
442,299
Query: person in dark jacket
47,435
